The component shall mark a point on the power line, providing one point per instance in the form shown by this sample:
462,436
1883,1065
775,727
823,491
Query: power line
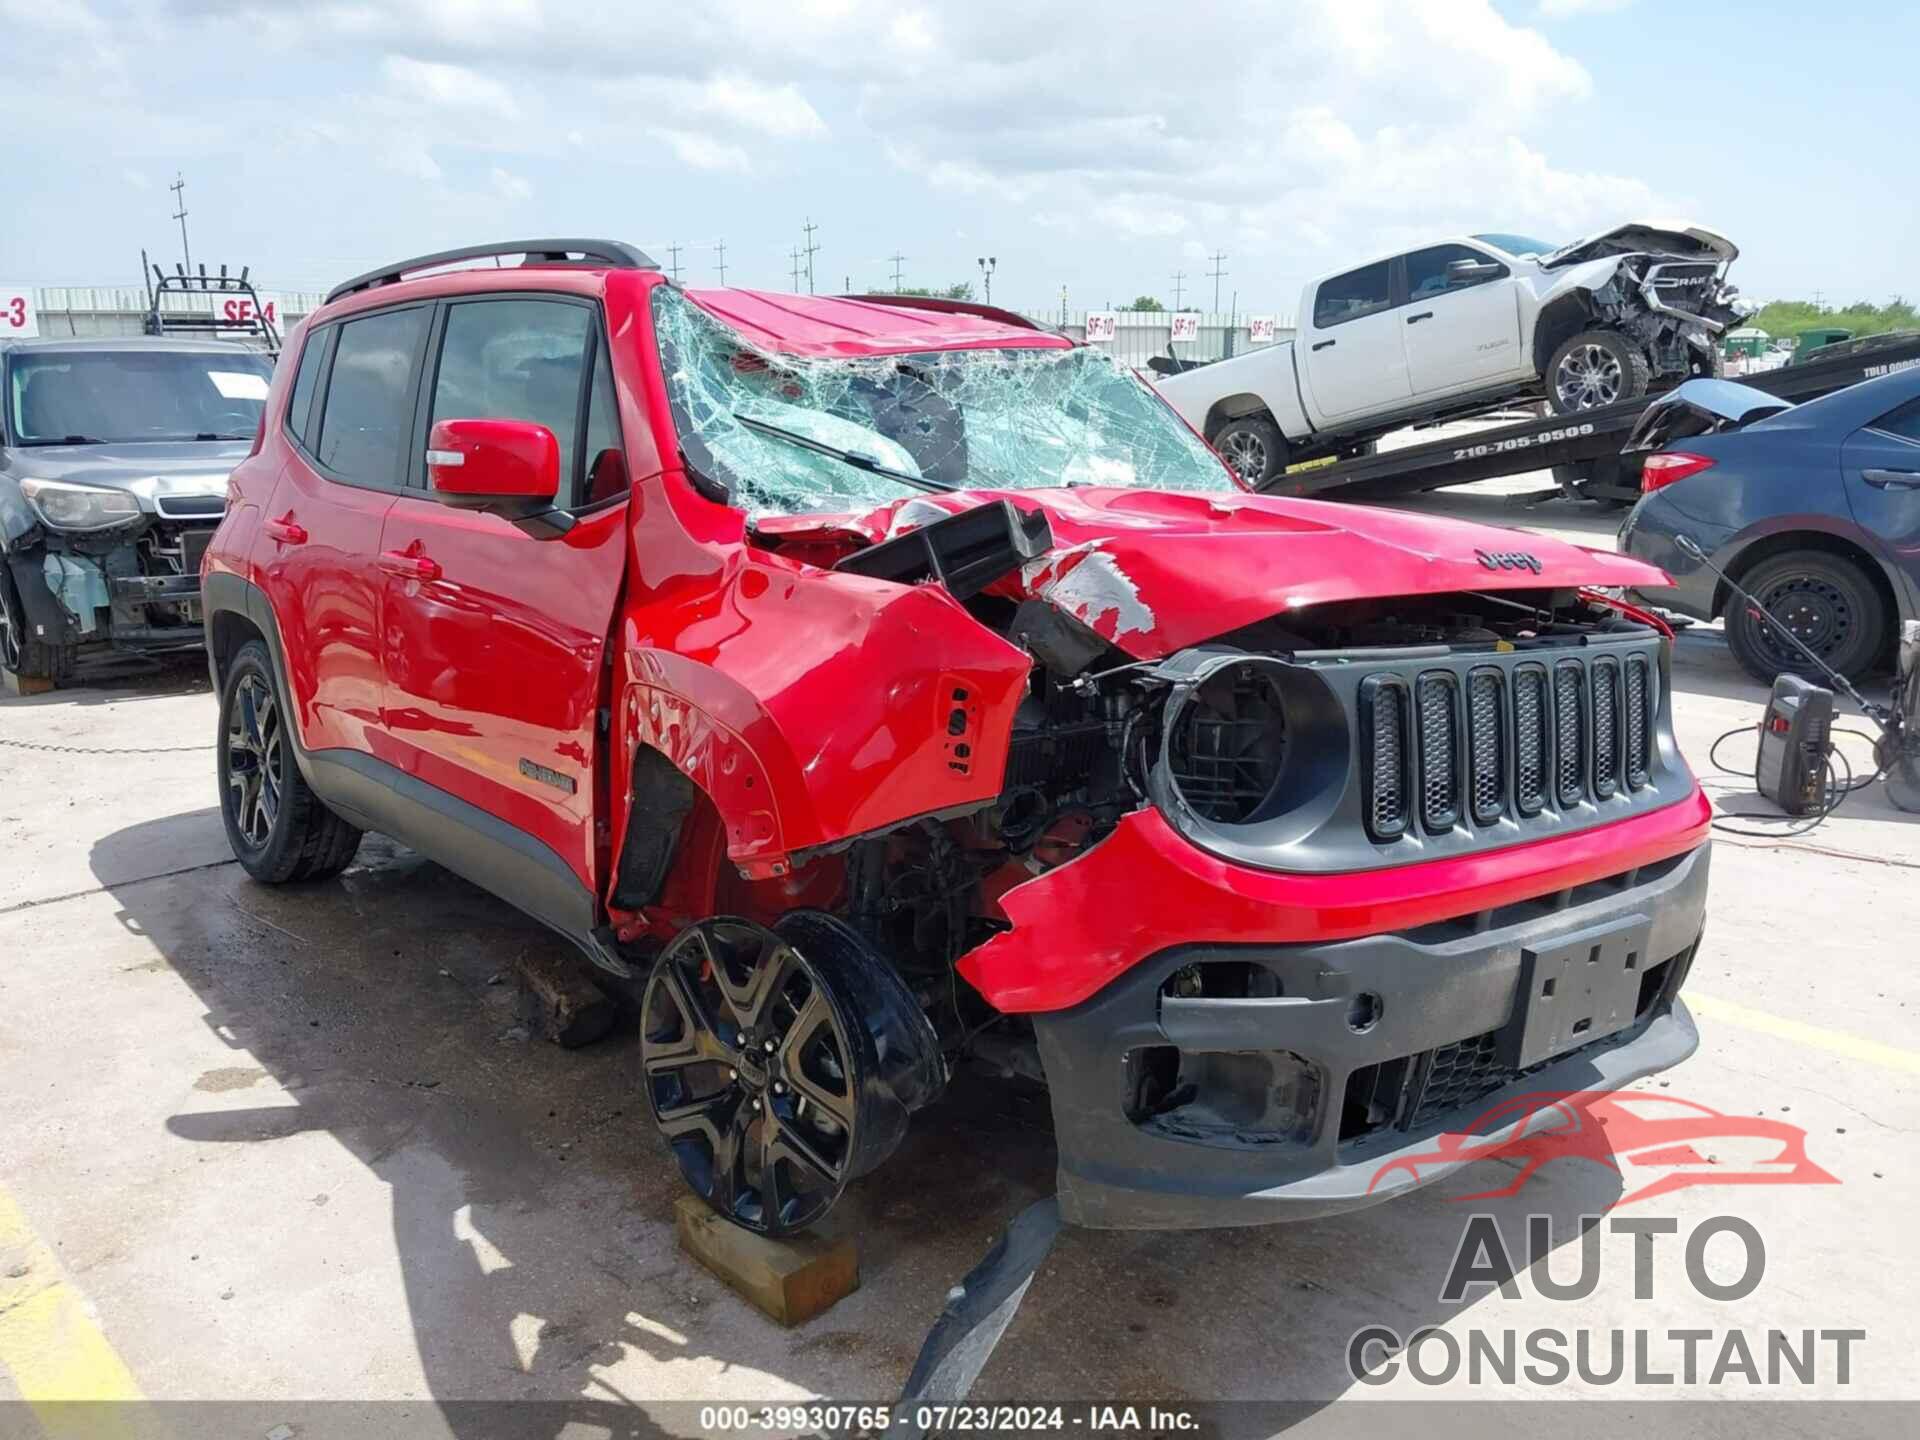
179,188
720,248
1219,259
812,249
673,260
795,252
898,260
1179,279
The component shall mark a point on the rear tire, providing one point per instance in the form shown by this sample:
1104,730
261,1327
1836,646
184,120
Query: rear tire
1827,600
1253,446
277,826
1595,368
21,654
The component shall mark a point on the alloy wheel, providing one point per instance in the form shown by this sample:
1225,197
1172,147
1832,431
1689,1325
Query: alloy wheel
1589,376
750,1072
1246,454
254,753
1818,612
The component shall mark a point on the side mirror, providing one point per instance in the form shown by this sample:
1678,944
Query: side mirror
1469,272
509,468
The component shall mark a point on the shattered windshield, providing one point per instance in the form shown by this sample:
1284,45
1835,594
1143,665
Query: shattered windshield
1018,419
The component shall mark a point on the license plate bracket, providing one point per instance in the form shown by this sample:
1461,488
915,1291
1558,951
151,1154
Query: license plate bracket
1578,988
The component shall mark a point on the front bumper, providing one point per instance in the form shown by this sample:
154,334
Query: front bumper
1294,1102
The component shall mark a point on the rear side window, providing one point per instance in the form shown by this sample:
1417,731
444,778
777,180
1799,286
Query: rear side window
517,360
299,420
1365,291
1904,422
369,409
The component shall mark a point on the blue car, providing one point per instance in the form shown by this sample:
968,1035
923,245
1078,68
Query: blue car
1814,509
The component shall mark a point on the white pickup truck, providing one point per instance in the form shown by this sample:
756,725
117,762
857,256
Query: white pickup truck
1464,325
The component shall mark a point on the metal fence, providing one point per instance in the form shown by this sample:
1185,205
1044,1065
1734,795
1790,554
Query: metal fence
1138,335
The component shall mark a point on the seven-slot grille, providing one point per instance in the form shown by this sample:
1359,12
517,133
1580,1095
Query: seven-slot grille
1442,749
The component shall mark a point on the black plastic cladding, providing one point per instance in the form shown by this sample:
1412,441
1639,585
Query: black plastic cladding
1424,706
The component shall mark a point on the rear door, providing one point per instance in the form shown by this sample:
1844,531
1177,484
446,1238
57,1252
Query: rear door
1460,332
1881,463
348,428
1352,353
493,641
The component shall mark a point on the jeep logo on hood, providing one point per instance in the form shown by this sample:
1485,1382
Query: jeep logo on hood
1508,560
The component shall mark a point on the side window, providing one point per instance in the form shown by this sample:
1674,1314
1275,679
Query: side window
1428,270
1904,422
1365,291
517,360
312,350
606,461
369,411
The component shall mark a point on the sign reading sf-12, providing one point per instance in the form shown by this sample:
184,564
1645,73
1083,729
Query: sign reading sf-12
18,318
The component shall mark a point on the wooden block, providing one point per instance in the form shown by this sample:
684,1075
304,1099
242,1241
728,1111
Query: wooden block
24,684
568,1007
792,1279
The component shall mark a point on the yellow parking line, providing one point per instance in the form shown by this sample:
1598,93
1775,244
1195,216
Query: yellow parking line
49,1343
1838,1042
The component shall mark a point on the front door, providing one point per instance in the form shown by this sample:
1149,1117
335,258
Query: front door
493,641
1462,328
1881,463
1354,360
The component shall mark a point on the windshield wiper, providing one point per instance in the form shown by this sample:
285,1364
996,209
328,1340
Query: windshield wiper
66,440
855,458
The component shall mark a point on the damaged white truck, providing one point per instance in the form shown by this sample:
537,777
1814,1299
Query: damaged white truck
1459,327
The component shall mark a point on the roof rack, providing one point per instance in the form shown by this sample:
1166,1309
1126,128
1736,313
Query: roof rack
247,316
616,254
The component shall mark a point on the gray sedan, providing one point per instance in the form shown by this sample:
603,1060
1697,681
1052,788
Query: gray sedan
1814,509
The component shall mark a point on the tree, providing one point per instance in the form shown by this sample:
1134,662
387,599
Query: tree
1144,302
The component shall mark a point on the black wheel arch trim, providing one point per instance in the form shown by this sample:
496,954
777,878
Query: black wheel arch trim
374,795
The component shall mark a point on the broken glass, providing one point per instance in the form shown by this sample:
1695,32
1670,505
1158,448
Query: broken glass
1012,419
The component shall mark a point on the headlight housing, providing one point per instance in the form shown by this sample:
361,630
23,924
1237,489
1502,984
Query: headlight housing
62,505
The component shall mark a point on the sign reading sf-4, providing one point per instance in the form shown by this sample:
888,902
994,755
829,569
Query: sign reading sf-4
18,319
239,310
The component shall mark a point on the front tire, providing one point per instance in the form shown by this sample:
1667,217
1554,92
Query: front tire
278,828
1828,601
21,654
1593,369
1254,447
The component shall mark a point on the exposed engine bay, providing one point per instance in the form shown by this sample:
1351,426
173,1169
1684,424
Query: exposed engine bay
1671,307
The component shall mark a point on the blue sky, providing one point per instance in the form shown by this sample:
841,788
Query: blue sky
1099,147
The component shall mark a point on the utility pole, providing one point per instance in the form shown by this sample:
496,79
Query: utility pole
796,269
179,188
720,249
898,260
813,248
988,264
673,260
1063,306
1179,279
1219,259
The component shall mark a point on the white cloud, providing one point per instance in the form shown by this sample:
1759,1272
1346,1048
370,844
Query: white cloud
702,152
508,186
454,87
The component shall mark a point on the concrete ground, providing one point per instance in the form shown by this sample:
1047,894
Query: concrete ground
294,1144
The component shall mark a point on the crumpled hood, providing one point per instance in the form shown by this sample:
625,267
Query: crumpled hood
1154,571
1664,237
171,467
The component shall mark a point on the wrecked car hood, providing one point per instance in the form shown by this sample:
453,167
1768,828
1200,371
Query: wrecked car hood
147,469
1664,237
1154,571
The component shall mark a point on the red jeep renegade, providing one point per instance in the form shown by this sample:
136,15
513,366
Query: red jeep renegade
896,681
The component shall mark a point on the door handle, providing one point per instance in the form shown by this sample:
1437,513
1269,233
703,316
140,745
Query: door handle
1892,479
1416,319
285,530
410,567
1323,344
